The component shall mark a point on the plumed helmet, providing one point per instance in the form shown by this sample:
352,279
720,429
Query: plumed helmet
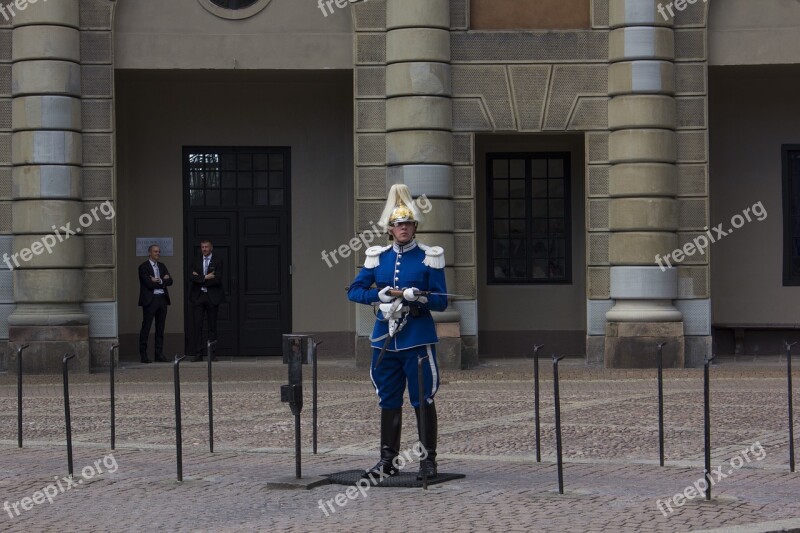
400,207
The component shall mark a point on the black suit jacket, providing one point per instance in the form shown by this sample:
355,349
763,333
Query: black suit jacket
147,286
216,294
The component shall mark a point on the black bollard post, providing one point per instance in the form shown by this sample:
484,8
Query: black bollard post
660,404
558,423
111,381
707,425
423,408
298,465
19,394
178,435
67,416
296,352
314,394
536,349
209,346
791,414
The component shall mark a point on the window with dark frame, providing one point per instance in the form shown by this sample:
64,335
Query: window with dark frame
529,234
236,177
791,214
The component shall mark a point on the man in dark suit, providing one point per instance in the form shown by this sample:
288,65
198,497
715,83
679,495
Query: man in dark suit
154,279
206,295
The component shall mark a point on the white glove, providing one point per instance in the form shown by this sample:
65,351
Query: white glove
383,297
392,311
409,296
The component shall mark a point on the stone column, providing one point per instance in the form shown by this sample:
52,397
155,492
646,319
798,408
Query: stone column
419,124
46,187
643,210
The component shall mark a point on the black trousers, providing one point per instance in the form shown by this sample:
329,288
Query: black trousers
157,309
203,307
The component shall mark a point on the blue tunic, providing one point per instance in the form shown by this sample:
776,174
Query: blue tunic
402,267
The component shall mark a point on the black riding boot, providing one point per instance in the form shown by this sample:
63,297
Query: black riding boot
391,424
431,434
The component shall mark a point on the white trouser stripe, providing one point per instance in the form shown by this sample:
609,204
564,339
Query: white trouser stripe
434,374
373,382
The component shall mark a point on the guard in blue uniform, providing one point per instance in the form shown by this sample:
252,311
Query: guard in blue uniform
404,325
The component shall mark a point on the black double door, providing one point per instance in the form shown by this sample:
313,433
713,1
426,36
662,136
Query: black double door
251,237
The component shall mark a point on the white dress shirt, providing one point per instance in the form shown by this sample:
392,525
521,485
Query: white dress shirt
206,262
157,274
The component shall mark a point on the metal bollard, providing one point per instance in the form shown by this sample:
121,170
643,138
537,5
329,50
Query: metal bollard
178,435
314,394
660,403
113,413
557,397
67,415
297,350
536,349
423,412
707,425
791,402
19,394
209,346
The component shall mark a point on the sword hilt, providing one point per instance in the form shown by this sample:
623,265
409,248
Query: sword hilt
399,292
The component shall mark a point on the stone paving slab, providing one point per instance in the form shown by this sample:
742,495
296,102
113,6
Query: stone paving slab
227,491
613,481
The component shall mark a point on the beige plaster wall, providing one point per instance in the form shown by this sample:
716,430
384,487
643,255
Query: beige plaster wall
752,32
287,34
158,113
753,111
533,307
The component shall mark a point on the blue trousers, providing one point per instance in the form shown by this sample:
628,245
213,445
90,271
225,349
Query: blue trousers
398,367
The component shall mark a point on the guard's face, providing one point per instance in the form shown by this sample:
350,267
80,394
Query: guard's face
206,248
155,253
403,232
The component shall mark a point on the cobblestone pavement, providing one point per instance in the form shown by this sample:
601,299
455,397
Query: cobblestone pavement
609,418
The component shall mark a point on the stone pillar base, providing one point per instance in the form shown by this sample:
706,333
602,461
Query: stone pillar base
633,344
595,350
363,352
448,351
469,352
100,350
697,349
47,346
4,349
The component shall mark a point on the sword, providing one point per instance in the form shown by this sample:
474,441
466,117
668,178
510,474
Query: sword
383,351
399,292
